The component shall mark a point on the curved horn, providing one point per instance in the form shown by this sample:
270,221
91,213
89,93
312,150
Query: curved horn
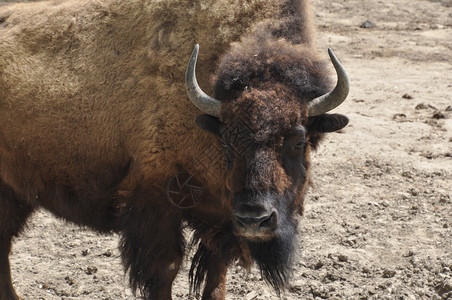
201,100
334,98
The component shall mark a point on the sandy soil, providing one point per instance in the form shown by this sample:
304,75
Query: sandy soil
378,224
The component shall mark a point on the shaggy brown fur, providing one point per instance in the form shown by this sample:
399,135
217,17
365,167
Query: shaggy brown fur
94,121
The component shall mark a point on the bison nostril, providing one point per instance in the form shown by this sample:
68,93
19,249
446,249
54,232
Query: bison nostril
265,223
269,222
245,221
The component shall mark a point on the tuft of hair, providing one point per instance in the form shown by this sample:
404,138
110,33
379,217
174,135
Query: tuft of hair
274,259
261,59
198,268
212,243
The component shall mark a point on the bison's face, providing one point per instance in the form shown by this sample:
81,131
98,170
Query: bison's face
266,137
266,147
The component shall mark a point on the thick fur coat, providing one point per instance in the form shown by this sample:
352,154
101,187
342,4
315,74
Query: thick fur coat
95,121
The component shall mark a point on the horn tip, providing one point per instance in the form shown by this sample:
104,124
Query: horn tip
195,50
331,53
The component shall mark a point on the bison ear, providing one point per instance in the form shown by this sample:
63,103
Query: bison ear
327,123
209,123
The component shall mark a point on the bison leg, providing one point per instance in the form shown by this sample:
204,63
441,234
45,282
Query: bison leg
215,288
6,287
152,245
209,268
13,216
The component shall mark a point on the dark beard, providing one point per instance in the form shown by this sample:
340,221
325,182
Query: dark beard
275,258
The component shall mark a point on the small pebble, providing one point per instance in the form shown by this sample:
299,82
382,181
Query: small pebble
388,273
399,117
343,258
421,106
251,295
407,96
438,115
318,265
368,24
91,270
414,192
69,280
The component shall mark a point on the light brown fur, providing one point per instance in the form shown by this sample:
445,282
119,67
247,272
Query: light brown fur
68,70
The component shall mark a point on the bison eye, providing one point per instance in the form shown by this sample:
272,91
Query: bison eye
298,146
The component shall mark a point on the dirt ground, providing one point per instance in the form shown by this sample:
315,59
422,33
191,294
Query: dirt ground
378,224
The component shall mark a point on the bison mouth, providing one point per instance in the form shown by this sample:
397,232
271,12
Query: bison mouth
255,216
256,228
265,223
274,257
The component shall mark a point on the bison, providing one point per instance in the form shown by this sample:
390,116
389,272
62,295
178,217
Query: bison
96,126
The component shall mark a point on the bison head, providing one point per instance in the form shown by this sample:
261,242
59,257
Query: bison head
268,112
